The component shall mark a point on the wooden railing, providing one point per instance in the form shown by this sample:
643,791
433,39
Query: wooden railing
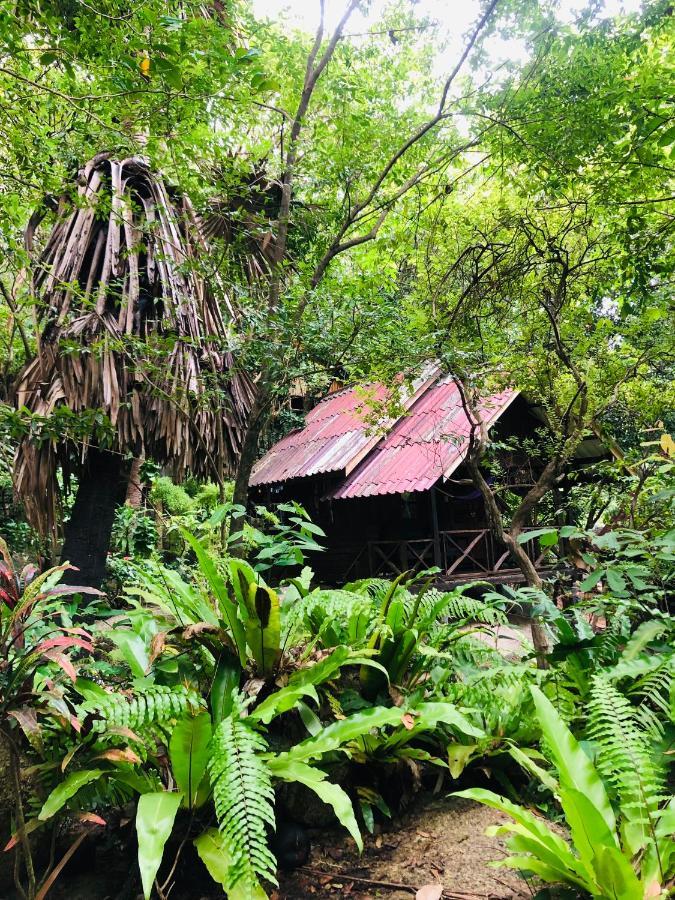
456,553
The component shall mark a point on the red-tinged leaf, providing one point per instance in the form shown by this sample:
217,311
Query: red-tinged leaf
65,589
125,755
75,722
7,598
90,817
63,641
28,722
408,721
125,732
28,573
80,631
62,661
31,825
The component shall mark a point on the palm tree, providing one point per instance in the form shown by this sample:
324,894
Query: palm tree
136,343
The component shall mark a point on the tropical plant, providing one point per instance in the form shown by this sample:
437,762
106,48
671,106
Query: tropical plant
36,651
625,854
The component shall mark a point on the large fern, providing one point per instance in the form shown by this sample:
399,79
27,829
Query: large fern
625,742
151,705
243,798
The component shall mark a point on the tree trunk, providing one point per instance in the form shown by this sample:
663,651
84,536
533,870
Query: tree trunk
134,487
102,489
249,451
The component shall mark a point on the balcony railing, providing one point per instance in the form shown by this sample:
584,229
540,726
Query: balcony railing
457,553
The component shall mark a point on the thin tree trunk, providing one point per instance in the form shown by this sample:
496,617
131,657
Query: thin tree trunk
258,420
102,488
135,488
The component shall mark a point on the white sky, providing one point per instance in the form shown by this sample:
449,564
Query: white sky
455,17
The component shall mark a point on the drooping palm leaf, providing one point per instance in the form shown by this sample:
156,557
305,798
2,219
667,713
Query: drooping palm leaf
130,327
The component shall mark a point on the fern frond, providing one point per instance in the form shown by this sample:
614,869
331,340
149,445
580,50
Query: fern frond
624,750
154,705
243,797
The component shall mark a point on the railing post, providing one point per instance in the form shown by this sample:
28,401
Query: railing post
434,522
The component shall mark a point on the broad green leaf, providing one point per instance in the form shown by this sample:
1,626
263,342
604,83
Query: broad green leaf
315,779
522,841
574,767
188,752
67,789
219,588
616,876
214,853
133,649
591,580
340,733
588,829
429,715
535,826
226,679
263,627
155,816
281,701
524,758
459,756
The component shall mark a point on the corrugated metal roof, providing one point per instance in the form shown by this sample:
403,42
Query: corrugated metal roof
422,447
337,434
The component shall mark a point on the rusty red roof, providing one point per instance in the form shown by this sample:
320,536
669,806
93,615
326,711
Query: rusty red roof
337,434
406,454
422,447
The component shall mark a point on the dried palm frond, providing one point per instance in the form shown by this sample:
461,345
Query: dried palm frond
129,327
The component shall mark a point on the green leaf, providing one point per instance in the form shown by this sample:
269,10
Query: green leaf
459,756
134,651
263,627
214,852
574,767
548,536
155,816
668,137
615,581
591,580
616,876
532,824
281,701
67,789
226,679
188,752
219,588
342,732
292,770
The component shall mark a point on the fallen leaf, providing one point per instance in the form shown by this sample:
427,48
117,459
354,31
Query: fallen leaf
430,892
408,721
90,817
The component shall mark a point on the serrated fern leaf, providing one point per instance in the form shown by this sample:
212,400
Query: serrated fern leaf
624,750
154,705
243,797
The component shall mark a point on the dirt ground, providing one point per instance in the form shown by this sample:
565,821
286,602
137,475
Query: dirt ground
439,841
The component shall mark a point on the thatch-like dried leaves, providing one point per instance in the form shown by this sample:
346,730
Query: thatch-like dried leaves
132,329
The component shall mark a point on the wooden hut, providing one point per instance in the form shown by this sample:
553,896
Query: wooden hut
390,489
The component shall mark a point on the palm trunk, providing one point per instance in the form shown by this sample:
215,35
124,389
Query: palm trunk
102,488
135,488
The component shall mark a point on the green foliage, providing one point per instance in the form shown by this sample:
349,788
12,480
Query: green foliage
605,852
154,821
173,497
243,799
189,753
151,704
